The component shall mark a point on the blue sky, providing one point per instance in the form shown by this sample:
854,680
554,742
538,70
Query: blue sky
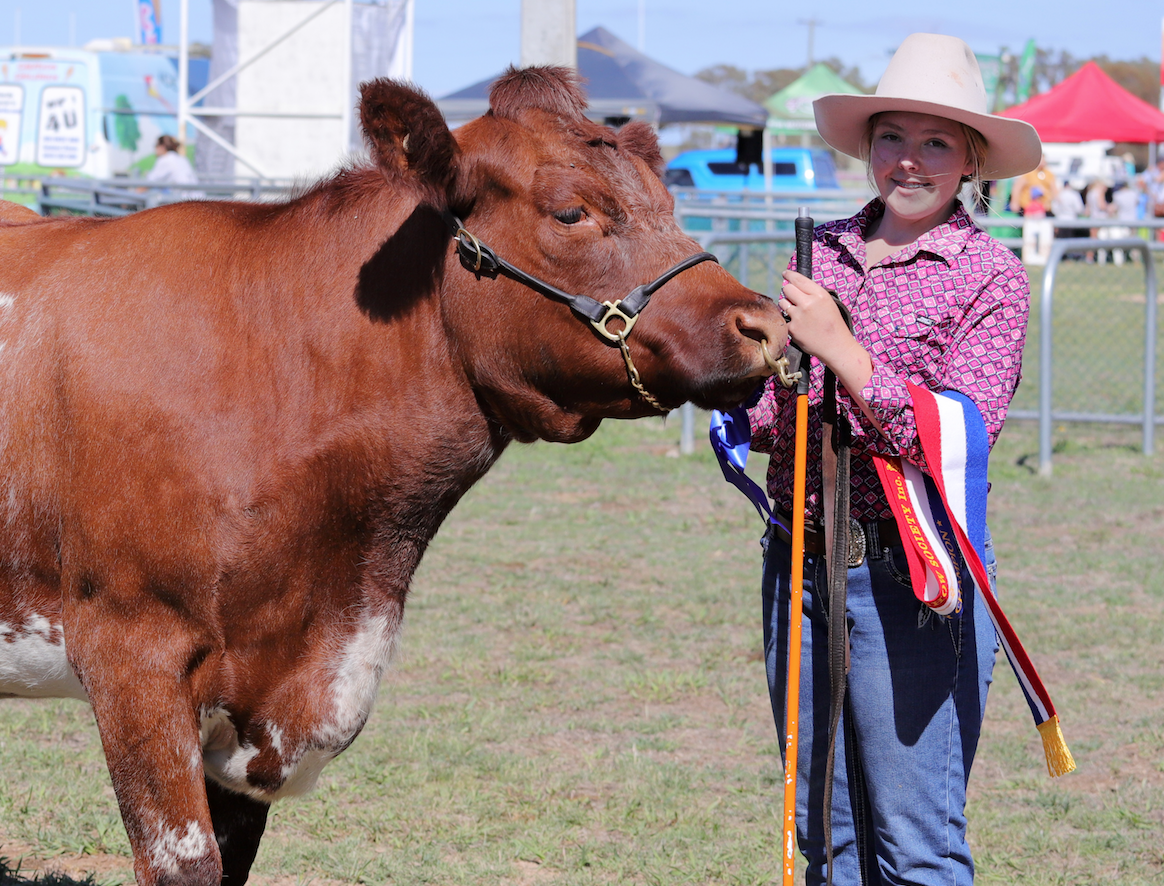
458,42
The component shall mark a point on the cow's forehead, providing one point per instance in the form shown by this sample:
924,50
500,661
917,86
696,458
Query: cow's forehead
549,157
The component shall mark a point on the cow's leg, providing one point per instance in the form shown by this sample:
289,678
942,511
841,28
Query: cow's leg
238,826
154,756
139,657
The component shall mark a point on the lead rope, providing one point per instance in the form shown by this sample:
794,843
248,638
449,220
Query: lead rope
836,438
836,444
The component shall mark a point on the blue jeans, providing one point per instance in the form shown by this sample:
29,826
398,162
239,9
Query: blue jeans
917,694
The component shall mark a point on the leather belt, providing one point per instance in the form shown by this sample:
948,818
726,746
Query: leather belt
864,538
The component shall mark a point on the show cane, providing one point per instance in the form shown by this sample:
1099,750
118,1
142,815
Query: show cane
800,466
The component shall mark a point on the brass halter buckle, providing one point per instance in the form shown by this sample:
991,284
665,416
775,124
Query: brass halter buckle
614,312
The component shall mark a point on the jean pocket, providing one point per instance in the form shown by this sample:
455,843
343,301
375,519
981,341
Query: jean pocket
897,565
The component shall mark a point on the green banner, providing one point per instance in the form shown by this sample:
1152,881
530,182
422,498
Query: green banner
1026,73
991,67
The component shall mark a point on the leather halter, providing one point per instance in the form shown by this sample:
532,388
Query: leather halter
480,259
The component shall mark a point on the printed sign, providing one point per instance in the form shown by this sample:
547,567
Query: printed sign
60,134
11,104
149,20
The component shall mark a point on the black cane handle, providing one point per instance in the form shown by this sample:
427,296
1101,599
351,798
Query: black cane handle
804,242
803,225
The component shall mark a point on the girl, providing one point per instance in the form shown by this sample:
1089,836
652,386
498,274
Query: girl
936,302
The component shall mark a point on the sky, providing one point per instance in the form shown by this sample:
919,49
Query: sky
459,42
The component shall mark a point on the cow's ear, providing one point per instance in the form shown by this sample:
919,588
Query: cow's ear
406,134
547,88
639,139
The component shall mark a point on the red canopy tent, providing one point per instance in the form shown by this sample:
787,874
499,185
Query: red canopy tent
1089,106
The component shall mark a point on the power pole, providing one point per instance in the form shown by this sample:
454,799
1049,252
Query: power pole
812,23
549,33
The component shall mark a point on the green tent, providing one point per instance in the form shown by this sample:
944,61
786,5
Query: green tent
790,109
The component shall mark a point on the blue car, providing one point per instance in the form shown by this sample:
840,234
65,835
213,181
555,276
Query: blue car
793,169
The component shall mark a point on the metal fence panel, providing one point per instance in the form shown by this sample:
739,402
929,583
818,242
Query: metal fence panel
1093,337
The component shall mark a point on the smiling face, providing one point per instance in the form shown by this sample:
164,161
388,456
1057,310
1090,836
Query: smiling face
917,162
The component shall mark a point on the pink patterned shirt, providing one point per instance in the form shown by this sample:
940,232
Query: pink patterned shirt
949,312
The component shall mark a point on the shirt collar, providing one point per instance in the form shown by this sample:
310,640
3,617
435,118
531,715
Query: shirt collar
945,240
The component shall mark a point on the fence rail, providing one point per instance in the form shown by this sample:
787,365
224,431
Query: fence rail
1089,310
122,196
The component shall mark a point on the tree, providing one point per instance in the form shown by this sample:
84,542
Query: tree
1140,77
759,85
125,124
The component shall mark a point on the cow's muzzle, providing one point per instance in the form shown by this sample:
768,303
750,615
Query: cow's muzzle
613,321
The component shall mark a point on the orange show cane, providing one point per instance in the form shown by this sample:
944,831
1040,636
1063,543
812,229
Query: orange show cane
800,470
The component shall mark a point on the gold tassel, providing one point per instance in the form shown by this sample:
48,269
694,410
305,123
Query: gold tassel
1059,759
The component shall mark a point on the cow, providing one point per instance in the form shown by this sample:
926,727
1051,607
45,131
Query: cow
229,430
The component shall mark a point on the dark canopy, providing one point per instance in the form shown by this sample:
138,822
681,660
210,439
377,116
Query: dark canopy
622,82
1090,106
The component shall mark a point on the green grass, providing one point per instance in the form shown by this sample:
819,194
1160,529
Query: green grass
579,696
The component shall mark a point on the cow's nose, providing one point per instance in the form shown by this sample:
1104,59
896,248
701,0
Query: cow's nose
763,323
764,326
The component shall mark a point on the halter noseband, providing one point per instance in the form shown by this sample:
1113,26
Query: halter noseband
480,259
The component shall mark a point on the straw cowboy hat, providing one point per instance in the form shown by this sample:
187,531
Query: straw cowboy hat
939,75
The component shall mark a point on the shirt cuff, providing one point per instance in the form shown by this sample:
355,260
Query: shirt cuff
888,399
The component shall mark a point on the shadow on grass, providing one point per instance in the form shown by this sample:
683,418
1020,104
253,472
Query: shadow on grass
10,876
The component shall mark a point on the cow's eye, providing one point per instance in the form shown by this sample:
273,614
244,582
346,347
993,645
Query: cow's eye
569,216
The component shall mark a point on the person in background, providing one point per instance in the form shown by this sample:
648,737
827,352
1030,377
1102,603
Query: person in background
1125,206
1042,178
1154,186
1096,207
938,303
1036,206
171,166
1068,206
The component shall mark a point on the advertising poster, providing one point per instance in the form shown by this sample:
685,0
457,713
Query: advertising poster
60,135
11,106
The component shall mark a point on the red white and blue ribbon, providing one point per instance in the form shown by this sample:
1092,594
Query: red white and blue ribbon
942,520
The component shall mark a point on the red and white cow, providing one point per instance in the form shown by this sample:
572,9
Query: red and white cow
228,431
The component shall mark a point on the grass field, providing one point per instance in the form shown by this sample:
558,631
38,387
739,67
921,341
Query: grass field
580,699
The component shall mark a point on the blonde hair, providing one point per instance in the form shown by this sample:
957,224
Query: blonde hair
975,148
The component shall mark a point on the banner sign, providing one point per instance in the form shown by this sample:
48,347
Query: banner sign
60,134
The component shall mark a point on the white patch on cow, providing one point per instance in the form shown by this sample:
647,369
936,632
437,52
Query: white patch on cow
356,677
363,662
171,847
275,734
6,300
33,663
223,757
301,776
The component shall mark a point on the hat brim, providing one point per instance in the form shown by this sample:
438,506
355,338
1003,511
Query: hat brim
1012,146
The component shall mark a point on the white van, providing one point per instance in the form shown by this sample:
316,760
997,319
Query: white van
1078,164
71,111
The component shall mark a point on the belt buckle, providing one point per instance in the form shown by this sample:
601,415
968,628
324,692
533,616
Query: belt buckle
856,543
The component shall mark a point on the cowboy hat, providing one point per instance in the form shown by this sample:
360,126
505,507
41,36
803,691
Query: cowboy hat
939,75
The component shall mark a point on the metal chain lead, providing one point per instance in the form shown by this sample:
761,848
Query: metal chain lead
633,375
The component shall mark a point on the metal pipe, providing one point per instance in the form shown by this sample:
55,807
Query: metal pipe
348,100
183,69
687,429
1150,320
1046,303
